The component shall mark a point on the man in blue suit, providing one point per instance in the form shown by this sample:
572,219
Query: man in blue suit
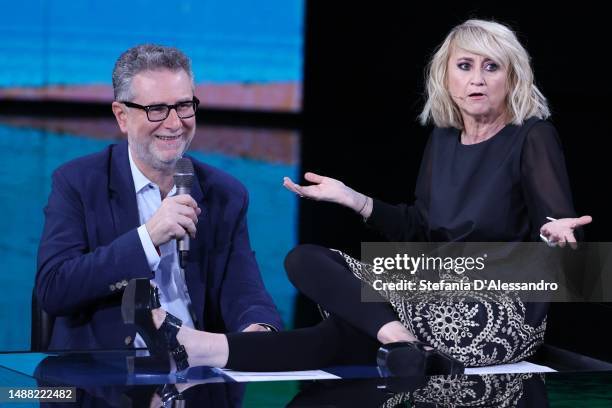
114,216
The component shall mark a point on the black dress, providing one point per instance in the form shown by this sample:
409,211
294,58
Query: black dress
499,190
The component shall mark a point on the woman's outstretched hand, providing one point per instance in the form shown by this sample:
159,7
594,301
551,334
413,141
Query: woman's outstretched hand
562,231
326,189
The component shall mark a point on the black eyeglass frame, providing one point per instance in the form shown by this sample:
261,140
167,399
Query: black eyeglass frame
195,101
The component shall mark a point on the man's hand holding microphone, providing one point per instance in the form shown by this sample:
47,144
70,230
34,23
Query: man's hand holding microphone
178,215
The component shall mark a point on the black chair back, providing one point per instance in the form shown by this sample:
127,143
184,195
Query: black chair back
42,326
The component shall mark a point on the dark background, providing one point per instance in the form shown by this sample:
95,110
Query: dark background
364,90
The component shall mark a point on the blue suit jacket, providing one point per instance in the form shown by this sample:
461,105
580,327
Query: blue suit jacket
90,243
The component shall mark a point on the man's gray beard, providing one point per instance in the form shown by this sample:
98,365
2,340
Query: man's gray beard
148,158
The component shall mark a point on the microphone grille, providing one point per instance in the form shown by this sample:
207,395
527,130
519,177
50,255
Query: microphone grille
184,166
183,173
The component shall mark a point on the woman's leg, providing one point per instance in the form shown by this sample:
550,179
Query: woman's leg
323,276
331,342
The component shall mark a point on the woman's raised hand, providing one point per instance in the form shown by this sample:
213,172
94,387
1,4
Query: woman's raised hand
326,189
562,231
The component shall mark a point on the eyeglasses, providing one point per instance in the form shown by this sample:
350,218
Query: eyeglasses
159,112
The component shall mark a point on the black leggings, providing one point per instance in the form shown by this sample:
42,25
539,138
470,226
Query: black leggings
348,336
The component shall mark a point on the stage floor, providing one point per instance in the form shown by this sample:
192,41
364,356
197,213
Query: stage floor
101,379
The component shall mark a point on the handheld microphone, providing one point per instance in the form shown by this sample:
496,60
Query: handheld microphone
183,180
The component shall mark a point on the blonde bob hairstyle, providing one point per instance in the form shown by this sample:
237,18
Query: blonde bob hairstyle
495,41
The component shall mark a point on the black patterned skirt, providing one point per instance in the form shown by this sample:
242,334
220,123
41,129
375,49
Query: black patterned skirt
477,328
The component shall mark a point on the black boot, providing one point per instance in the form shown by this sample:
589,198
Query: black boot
413,359
139,299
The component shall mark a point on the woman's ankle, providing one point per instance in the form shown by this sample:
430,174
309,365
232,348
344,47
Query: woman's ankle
159,315
204,348
394,331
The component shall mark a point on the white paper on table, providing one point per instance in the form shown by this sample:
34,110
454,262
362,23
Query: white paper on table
520,367
244,376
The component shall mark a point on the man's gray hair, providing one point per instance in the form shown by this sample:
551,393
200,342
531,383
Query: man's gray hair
146,57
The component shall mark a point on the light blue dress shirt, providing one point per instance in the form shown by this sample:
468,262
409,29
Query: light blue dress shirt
173,294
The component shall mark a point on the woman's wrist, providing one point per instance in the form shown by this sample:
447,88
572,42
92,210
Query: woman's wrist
351,199
358,202
366,211
364,205
361,204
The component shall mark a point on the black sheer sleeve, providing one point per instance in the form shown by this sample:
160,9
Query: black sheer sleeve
404,222
544,177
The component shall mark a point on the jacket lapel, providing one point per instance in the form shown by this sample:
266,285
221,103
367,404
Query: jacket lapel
124,206
197,267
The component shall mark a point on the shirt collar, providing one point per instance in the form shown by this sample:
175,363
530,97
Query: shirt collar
140,180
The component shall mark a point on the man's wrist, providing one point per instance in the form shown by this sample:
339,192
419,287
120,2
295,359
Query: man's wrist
151,252
265,326
268,327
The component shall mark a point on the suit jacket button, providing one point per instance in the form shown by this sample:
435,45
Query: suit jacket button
128,340
112,287
124,283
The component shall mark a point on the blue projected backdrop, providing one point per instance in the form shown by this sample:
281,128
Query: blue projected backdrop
246,54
